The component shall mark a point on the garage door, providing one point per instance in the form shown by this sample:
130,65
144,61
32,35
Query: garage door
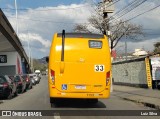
8,70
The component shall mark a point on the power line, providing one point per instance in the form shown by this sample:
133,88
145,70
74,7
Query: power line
124,12
55,9
142,13
148,29
26,9
123,9
151,34
56,22
86,23
138,10
33,46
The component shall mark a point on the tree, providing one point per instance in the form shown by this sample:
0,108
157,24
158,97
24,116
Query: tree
119,29
39,66
157,47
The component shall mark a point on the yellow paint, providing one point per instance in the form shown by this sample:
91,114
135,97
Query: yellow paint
78,68
148,72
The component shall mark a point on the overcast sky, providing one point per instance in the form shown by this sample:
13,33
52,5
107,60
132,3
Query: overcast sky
38,20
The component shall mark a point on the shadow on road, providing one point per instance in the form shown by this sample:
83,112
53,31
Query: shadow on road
78,103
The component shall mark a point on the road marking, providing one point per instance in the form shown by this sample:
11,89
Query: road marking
57,116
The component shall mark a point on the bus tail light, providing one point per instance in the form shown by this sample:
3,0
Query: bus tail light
52,75
107,77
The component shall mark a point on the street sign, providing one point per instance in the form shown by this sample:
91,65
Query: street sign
3,58
108,7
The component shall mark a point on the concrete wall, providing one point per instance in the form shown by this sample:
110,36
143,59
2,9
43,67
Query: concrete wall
12,60
132,73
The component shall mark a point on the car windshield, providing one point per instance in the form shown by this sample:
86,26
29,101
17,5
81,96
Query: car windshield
24,76
17,78
11,77
2,80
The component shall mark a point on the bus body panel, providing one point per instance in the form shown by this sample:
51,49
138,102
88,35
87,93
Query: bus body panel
77,76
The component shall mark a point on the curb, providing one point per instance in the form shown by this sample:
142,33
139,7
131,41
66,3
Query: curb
144,103
1,101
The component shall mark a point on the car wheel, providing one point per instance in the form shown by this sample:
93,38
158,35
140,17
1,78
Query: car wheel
20,91
25,90
10,95
16,93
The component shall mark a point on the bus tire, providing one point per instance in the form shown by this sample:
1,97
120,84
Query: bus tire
54,100
92,101
51,100
52,105
158,86
153,85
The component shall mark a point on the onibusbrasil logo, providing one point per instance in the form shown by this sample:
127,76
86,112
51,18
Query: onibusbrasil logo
21,113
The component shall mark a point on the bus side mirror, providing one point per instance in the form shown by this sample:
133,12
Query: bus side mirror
47,59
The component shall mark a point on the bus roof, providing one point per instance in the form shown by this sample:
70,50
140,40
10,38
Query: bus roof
81,35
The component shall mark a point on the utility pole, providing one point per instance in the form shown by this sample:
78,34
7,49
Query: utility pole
16,17
125,47
29,51
107,8
31,58
105,15
125,42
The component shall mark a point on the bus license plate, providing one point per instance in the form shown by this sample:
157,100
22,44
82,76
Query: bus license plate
80,87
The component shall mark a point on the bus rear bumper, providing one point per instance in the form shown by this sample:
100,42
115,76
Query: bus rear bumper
54,93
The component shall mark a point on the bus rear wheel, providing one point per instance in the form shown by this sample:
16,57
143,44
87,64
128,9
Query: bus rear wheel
92,101
54,100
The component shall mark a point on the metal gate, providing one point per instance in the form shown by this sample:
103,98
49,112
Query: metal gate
8,70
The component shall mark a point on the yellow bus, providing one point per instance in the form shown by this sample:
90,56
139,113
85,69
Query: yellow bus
79,66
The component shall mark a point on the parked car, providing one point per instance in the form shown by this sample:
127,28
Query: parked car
36,78
28,81
44,73
15,83
38,72
32,79
8,87
39,78
21,83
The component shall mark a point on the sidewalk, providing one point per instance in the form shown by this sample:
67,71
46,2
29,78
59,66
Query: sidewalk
148,97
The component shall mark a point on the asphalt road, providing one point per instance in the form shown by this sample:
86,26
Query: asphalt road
38,99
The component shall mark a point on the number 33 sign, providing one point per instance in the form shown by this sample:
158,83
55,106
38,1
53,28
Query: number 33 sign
99,68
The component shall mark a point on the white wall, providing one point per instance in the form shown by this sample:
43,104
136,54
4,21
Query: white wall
12,60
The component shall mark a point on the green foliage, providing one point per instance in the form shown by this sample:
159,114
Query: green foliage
39,66
157,47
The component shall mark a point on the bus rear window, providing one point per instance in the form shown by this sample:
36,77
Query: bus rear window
95,44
